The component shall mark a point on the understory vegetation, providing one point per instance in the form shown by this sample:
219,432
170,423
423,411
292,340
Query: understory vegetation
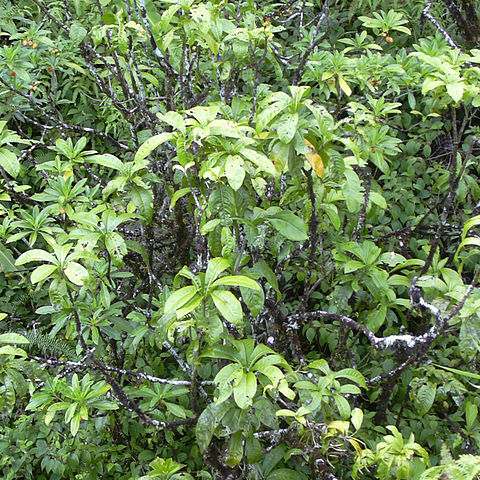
239,239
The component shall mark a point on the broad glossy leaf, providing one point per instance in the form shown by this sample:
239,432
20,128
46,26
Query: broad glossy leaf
215,267
13,338
287,127
237,281
289,225
179,298
107,160
42,272
9,162
35,255
207,422
235,449
228,306
7,262
260,160
235,171
245,390
76,273
151,144
9,350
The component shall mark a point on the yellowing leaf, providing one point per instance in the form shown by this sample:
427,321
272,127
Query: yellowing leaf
344,86
68,173
314,159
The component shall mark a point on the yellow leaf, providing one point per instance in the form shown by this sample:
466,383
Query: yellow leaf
344,86
356,446
68,173
314,159
339,425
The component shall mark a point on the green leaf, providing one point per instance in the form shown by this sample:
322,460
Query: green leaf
455,90
9,350
289,225
260,160
75,424
235,449
426,397
207,422
235,171
9,162
179,298
228,306
151,144
76,273
215,267
343,406
284,474
471,413
42,272
176,410
77,33
357,418
35,255
178,195
7,262
143,200
287,127
253,299
344,86
245,390
253,449
107,160
353,375
13,338
237,281
352,191
189,306
459,372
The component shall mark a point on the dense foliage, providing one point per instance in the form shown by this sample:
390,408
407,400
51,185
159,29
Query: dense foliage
239,239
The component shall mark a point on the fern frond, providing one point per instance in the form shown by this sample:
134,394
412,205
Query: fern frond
51,345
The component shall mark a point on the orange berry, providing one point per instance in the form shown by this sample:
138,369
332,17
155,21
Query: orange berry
267,20
24,42
389,39
373,150
50,69
12,73
63,211
34,45
30,42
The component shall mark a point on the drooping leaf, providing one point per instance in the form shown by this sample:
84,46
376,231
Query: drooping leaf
314,159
